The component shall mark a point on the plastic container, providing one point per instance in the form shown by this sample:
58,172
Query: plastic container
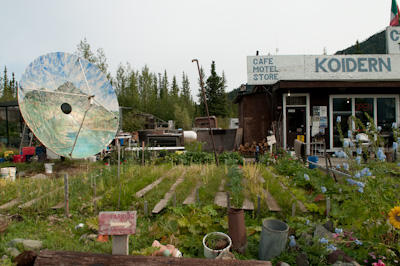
92,159
2,160
28,150
8,173
213,253
7,154
40,150
313,159
274,235
18,158
48,168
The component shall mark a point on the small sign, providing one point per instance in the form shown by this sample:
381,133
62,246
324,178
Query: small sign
271,140
300,137
117,223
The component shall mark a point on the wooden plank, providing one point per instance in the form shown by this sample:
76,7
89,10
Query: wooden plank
163,203
191,199
247,205
10,204
272,204
57,258
143,191
222,185
31,202
220,199
299,203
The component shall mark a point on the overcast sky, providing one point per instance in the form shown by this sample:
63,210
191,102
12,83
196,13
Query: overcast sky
168,34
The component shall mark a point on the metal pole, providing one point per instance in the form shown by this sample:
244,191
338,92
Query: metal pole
208,114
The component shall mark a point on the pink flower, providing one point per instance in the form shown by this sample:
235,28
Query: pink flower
379,263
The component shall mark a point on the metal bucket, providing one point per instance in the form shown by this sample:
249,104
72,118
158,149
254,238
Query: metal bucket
274,235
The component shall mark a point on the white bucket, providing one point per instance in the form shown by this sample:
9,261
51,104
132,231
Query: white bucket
92,159
8,173
48,168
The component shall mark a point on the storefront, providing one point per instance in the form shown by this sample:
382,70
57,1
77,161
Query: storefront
303,95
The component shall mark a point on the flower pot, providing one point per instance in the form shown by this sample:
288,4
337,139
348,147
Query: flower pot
237,230
210,253
274,235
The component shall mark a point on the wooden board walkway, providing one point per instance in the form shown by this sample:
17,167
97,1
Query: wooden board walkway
31,202
222,200
191,199
163,203
299,203
143,191
10,204
272,204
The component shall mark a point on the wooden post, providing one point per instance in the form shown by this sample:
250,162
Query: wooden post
142,153
119,167
120,245
66,191
94,195
328,206
228,201
145,208
293,209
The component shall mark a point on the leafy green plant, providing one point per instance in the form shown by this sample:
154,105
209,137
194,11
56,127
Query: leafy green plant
235,186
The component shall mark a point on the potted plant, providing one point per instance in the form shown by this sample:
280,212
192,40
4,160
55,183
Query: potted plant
236,222
214,243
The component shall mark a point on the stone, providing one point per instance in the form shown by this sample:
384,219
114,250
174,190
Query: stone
27,243
4,257
32,244
329,226
321,232
26,258
226,255
15,242
302,260
13,252
338,255
284,264
86,237
307,238
40,176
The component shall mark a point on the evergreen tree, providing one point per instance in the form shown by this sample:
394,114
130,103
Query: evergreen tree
84,51
174,91
215,94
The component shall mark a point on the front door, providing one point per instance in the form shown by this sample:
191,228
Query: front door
295,124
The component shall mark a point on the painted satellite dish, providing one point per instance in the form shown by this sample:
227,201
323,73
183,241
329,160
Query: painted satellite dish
68,104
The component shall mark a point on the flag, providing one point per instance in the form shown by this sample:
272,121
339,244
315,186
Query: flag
394,14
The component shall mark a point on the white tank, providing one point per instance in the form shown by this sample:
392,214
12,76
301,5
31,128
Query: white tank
190,135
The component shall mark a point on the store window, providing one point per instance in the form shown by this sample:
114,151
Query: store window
386,114
342,108
381,109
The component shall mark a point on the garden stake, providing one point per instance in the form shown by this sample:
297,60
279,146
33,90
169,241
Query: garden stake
328,206
142,153
293,209
66,188
228,201
94,195
258,204
145,208
119,167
